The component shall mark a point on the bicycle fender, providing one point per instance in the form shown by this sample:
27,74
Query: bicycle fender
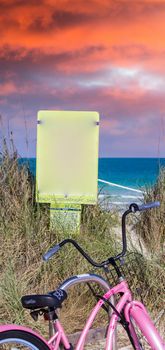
139,313
15,327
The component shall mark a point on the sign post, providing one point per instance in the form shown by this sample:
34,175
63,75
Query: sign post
67,164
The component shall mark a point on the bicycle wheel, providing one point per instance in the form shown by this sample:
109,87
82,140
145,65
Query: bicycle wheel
21,340
141,342
143,331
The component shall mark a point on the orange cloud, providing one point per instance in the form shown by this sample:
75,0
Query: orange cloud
73,25
97,54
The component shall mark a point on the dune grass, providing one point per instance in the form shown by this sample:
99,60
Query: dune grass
150,229
25,235
151,226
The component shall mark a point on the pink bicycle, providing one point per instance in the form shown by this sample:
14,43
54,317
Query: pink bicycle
131,314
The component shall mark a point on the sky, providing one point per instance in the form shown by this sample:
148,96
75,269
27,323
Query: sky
100,55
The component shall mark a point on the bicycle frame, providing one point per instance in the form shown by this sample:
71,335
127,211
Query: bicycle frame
131,308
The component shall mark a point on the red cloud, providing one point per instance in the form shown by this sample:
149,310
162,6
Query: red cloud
101,54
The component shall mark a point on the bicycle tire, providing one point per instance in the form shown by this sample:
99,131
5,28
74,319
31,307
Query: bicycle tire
141,324
30,340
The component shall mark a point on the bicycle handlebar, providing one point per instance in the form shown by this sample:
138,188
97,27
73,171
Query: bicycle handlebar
149,206
51,252
133,208
55,249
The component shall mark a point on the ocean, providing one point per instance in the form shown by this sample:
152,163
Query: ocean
135,173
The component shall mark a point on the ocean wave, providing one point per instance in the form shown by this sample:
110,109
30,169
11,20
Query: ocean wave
127,196
120,203
119,196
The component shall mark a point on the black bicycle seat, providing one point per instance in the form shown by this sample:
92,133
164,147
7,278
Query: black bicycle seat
50,300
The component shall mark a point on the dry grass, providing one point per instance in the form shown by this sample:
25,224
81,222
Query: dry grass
151,226
25,235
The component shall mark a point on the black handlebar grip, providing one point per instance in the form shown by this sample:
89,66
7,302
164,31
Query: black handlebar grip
51,252
149,206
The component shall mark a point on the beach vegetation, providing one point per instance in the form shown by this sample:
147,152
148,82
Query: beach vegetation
25,234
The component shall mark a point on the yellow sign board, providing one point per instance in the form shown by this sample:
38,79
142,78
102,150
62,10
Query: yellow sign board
67,157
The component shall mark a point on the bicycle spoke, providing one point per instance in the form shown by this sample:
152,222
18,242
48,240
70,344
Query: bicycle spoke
17,345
